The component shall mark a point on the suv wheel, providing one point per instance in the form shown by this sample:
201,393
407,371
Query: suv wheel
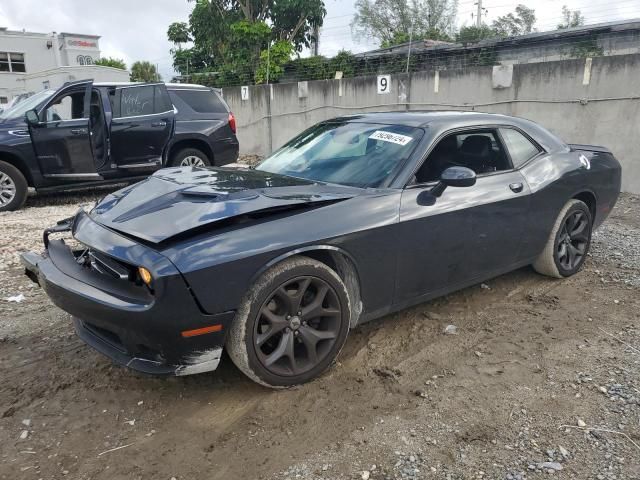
13,188
190,157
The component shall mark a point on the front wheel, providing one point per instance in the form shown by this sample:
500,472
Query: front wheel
569,242
291,325
13,188
190,157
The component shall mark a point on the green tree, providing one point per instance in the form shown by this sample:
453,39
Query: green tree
272,62
230,36
178,33
111,62
394,21
520,22
473,34
343,62
143,71
571,18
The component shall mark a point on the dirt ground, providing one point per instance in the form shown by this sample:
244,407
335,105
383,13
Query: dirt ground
541,378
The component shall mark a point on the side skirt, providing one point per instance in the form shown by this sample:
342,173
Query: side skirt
368,316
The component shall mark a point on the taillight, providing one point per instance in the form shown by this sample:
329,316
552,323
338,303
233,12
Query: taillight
232,122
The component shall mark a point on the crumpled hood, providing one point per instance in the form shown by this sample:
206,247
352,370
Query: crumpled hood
175,201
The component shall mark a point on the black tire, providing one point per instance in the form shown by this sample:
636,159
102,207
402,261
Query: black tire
569,242
187,156
13,188
299,347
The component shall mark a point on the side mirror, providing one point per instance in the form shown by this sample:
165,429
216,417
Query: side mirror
454,177
31,117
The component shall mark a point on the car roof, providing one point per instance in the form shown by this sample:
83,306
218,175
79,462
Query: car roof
170,86
441,121
426,118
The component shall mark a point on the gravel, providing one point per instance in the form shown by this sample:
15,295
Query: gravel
500,399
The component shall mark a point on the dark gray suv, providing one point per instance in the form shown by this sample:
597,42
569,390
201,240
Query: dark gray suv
87,134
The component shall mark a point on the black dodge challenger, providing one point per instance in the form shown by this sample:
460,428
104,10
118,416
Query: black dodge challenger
355,218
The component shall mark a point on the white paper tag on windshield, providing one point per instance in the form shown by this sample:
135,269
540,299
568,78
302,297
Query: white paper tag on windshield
390,137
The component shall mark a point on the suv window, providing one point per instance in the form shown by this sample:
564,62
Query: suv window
139,100
67,107
161,101
479,150
520,147
201,101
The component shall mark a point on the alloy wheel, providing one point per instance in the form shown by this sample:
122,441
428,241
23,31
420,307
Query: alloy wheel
297,326
573,240
7,189
192,161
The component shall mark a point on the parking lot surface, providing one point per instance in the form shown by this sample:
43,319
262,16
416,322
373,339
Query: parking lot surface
539,377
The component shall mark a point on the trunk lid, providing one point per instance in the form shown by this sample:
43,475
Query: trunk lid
178,201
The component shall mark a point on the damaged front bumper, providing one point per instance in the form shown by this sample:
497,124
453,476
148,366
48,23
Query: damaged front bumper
136,327
196,362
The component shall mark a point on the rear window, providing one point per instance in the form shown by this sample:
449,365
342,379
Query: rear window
201,101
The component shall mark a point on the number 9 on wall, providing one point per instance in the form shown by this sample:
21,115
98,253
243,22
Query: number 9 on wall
384,84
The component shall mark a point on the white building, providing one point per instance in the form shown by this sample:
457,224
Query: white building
30,62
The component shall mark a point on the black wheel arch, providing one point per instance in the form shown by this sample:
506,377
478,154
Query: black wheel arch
16,161
590,199
337,259
190,142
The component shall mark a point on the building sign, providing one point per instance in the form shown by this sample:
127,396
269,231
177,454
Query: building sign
82,43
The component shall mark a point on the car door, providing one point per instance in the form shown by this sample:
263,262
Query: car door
62,136
141,126
467,234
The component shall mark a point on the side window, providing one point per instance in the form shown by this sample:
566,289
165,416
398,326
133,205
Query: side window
520,147
114,100
67,107
162,102
479,150
136,101
201,101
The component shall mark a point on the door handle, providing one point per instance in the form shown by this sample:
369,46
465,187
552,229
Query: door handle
159,124
516,187
79,131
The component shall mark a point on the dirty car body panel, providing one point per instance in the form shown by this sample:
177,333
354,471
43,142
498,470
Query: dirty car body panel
207,234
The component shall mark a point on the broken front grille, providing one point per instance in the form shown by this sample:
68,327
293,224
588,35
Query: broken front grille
105,265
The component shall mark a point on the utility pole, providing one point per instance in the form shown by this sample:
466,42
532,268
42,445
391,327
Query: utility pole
410,43
268,61
316,40
479,14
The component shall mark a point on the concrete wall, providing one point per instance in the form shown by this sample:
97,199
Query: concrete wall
600,106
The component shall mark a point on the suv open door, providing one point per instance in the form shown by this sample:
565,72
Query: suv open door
61,134
141,126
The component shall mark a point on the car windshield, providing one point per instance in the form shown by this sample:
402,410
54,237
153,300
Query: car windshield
20,108
348,153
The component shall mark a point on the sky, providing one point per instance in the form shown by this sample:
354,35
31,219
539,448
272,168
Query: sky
136,29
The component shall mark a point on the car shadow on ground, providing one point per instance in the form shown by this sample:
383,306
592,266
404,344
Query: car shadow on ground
227,377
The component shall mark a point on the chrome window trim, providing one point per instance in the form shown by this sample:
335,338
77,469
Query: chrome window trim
142,116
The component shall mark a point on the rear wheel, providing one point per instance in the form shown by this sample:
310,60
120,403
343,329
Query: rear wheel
13,187
568,243
190,157
291,325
